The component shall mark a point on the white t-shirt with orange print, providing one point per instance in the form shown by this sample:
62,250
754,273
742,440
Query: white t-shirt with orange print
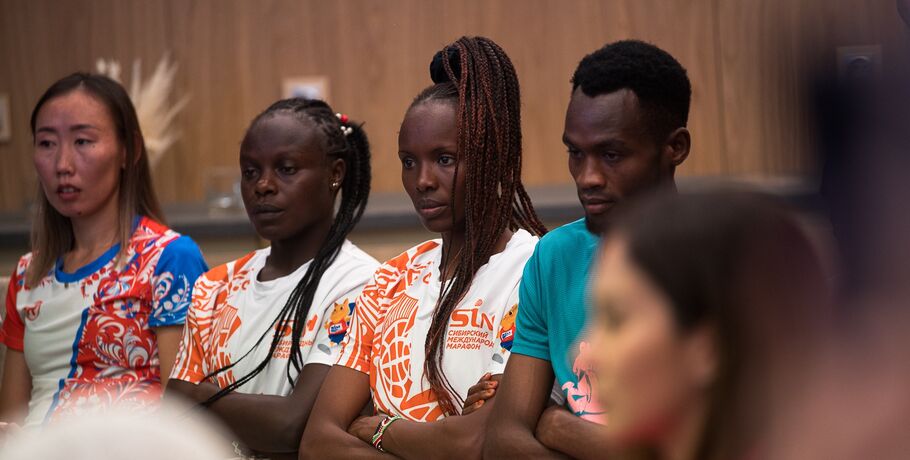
393,316
231,309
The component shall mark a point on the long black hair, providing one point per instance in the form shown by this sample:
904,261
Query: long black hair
345,140
476,76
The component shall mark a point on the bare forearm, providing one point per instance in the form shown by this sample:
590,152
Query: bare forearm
516,442
343,396
458,437
331,442
16,388
263,423
575,437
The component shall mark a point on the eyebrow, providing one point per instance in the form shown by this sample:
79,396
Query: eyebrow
48,129
607,143
616,143
82,127
447,149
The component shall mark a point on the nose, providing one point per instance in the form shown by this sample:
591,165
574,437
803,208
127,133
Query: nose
590,174
266,183
426,178
64,165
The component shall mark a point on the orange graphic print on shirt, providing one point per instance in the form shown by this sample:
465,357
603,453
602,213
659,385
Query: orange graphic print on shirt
507,328
339,320
224,326
395,364
394,316
211,327
381,340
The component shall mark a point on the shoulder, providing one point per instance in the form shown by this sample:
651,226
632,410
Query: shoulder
181,247
508,265
180,253
353,267
225,272
520,246
352,256
398,272
566,240
413,257
152,237
22,265
17,280
567,234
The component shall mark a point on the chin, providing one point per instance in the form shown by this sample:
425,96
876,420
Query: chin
598,222
269,232
69,212
436,226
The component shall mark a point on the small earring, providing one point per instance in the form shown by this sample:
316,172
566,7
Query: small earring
335,185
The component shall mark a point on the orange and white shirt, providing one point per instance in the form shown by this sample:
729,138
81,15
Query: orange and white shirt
393,317
232,309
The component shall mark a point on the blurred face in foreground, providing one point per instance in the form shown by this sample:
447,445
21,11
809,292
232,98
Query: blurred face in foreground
654,378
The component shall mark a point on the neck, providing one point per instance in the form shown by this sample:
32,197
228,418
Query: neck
94,234
452,244
289,254
684,440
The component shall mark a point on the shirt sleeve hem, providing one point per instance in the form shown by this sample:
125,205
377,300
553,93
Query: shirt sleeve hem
189,378
360,366
11,342
173,321
534,352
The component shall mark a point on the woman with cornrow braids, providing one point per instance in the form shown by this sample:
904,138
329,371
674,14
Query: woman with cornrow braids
438,317
263,330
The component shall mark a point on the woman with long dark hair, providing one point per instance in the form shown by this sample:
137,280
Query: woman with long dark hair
436,318
94,312
265,328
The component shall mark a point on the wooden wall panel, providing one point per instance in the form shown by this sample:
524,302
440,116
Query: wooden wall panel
771,54
745,59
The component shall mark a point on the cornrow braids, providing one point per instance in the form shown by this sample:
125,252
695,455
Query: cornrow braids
352,146
475,74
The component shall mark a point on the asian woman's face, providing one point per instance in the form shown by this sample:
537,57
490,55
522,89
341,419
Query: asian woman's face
78,155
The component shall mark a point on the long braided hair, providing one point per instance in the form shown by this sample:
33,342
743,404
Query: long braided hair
477,75
354,149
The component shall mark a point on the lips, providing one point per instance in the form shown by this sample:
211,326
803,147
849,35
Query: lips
596,204
429,208
68,192
266,210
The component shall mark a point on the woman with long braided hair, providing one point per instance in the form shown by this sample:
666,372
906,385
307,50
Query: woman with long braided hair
440,316
264,329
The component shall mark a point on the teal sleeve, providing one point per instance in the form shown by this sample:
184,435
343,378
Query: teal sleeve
531,337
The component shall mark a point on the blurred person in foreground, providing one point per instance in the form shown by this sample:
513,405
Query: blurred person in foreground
854,401
120,433
691,294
